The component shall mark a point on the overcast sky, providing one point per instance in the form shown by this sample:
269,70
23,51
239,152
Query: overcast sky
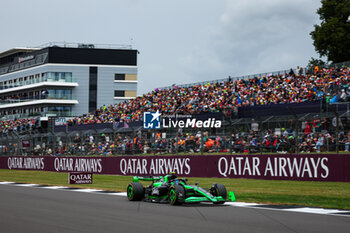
179,41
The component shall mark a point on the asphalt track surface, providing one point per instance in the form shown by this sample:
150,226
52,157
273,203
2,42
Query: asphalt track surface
24,209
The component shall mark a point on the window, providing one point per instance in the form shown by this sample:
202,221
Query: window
92,88
119,77
68,77
58,109
67,109
59,92
119,93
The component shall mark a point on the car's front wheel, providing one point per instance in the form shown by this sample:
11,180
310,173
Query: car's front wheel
219,190
176,194
135,191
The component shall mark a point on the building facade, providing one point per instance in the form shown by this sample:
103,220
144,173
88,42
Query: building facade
65,80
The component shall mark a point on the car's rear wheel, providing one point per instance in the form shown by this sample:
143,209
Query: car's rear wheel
219,190
135,191
176,194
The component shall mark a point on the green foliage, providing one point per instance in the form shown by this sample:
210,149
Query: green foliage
315,62
332,37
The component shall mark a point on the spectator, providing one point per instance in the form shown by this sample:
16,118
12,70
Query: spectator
347,142
320,142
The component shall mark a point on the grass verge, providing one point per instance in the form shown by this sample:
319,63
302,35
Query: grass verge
306,193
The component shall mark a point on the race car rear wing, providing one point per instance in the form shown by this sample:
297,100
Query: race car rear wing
146,178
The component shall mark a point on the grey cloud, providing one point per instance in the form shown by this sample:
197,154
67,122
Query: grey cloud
256,36
179,42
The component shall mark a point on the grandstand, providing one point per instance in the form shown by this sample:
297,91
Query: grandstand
288,112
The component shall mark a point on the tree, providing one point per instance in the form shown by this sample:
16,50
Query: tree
332,37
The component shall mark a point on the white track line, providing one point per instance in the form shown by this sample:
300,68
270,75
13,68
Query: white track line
84,190
116,194
26,185
53,187
242,204
5,182
316,210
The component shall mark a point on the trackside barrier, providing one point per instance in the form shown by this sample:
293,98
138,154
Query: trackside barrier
315,167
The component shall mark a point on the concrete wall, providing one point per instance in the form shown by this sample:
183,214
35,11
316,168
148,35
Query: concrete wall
106,84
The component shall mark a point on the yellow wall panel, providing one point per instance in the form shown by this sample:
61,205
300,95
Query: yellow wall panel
131,77
130,93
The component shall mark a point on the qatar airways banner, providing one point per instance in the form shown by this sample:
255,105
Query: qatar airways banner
328,167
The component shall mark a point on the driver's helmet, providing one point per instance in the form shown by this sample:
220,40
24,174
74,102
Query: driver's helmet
172,176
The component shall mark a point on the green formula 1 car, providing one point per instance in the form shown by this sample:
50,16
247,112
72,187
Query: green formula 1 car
173,190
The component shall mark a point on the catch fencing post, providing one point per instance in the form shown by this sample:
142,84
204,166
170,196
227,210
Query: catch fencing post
202,141
154,142
337,133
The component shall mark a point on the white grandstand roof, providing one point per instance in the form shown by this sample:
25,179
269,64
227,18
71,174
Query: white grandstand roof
16,50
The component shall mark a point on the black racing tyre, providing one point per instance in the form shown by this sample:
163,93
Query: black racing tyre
176,194
135,191
220,190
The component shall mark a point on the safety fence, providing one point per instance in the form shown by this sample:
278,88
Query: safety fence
306,133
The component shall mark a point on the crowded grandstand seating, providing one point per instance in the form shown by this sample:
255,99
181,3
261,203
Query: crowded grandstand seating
326,85
330,85
19,125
